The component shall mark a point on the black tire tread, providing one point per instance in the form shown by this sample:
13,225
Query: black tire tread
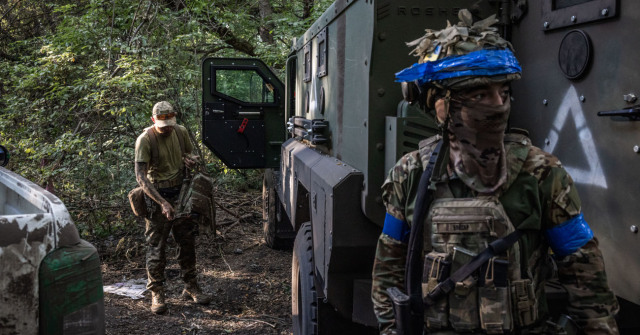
302,272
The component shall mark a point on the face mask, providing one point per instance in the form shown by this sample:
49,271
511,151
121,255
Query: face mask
476,134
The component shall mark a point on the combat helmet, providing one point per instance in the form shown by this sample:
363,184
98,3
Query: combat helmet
460,56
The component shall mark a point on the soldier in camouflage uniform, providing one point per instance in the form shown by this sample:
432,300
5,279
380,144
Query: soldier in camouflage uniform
161,181
483,171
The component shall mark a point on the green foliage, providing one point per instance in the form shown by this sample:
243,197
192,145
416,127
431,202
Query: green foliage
243,85
79,78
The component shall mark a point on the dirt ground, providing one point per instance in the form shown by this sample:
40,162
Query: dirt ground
250,283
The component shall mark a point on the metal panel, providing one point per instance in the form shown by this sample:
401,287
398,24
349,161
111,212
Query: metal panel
307,62
319,218
556,14
344,239
242,112
296,161
598,152
237,149
323,52
404,132
362,303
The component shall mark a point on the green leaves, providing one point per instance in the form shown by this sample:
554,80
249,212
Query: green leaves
78,85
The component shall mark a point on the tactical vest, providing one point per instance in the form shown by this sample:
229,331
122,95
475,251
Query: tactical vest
196,196
497,298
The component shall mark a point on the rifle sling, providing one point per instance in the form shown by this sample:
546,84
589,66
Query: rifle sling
495,248
413,269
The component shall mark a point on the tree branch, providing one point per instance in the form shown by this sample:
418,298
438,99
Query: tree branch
229,37
9,10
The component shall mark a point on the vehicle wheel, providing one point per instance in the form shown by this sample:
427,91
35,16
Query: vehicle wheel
273,216
304,298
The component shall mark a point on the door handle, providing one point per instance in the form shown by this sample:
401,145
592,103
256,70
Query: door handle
628,114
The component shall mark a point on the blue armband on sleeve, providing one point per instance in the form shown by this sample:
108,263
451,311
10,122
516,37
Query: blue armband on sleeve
569,236
396,229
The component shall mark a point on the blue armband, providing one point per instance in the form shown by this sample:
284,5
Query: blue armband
569,236
396,229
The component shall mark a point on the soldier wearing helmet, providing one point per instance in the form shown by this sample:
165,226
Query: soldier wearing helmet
161,153
488,185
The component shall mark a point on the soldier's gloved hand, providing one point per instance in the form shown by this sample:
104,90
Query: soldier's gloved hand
190,160
168,211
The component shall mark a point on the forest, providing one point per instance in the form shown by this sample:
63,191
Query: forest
79,79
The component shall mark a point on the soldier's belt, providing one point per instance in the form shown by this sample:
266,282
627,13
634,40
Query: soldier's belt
177,181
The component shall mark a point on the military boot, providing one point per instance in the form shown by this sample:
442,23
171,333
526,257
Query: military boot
192,291
158,305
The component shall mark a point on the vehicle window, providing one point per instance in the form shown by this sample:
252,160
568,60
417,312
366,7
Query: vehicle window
244,85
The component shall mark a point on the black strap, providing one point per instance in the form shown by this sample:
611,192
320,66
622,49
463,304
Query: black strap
180,139
153,142
413,269
496,247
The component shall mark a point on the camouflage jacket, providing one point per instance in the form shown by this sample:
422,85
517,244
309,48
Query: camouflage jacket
538,195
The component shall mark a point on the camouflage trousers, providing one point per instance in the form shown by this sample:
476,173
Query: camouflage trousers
156,234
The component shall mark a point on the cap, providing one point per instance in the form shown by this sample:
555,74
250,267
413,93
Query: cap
161,108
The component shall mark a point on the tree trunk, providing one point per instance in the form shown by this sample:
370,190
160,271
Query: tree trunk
306,11
266,27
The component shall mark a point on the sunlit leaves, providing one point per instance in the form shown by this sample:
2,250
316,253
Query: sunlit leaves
76,92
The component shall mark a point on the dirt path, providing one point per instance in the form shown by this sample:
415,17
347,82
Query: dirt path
249,282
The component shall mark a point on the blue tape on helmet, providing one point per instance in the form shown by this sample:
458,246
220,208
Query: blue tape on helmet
485,62
396,228
569,236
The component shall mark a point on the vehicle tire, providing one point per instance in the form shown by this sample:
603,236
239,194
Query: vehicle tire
273,216
304,298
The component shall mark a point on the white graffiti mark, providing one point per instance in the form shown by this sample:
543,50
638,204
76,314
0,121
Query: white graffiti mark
571,106
313,100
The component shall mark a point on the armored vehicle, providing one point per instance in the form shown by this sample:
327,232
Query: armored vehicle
328,135
50,279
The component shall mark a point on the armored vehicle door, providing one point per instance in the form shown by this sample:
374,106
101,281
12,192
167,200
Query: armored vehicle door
578,99
243,118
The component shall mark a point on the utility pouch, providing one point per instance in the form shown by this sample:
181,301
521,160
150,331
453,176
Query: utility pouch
493,292
523,297
137,202
437,267
463,301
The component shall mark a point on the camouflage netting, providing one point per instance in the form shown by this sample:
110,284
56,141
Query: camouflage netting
461,39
